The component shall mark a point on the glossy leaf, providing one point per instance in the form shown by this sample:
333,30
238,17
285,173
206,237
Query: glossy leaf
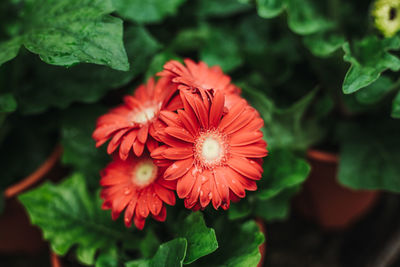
149,11
201,240
239,245
324,44
369,58
270,8
69,216
221,8
171,253
282,169
55,33
376,91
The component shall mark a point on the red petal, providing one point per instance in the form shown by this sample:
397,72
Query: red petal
180,133
245,118
217,107
141,207
232,114
178,152
139,222
142,134
126,144
256,150
162,215
129,212
242,138
248,168
164,194
178,169
151,144
138,148
170,118
115,141
185,185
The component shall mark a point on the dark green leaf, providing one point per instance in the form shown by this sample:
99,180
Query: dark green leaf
171,254
369,157
79,147
9,49
7,103
303,18
282,169
369,58
149,11
201,240
69,216
277,207
396,107
285,128
270,8
375,92
238,246
323,44
221,8
221,48
70,32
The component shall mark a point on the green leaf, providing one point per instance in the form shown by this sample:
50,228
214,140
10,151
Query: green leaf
69,216
375,92
369,58
217,45
324,44
171,254
149,11
70,32
201,240
369,157
238,245
141,47
79,148
270,8
396,107
282,169
304,19
276,207
158,61
221,48
221,8
7,103
9,50
87,83
285,128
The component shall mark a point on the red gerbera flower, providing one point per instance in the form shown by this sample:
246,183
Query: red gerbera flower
213,153
136,185
200,76
130,124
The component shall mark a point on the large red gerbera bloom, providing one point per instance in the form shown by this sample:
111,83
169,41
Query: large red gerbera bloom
213,153
136,185
200,76
131,125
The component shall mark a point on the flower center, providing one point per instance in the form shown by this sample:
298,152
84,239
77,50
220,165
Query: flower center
211,148
144,115
144,173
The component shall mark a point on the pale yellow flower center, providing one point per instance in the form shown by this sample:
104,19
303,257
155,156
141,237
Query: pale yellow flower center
144,173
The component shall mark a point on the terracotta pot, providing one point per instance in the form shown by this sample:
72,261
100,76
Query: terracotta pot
17,235
327,202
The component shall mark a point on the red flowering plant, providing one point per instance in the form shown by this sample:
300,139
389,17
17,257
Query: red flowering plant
178,124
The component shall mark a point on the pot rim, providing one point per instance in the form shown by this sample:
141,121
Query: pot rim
324,156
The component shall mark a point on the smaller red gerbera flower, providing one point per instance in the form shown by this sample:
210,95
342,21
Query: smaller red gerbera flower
136,185
131,125
200,76
214,155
